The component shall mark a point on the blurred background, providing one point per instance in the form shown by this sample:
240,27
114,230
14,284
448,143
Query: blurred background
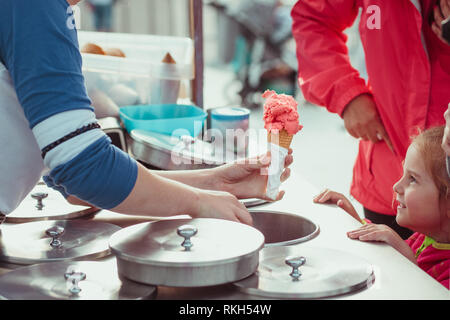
243,56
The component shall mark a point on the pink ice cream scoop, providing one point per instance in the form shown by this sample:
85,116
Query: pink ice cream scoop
280,112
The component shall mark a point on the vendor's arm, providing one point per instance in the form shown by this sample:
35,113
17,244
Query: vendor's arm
39,47
157,196
245,178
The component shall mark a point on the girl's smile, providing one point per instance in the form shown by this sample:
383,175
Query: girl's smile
400,205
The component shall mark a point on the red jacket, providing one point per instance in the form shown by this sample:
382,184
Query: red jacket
432,257
408,79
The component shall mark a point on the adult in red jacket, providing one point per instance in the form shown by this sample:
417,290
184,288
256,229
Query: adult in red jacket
408,65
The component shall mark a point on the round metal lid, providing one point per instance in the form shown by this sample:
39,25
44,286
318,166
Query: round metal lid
44,203
48,241
186,242
306,272
81,280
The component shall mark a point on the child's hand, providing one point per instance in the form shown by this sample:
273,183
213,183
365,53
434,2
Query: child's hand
329,196
381,232
374,232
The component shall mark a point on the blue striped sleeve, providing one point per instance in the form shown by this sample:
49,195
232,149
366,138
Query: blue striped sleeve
49,182
102,175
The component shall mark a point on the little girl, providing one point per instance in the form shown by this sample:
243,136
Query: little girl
423,205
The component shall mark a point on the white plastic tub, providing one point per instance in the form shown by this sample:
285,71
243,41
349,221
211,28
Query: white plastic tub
141,77
150,49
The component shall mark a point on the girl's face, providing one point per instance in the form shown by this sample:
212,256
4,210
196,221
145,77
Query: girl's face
417,196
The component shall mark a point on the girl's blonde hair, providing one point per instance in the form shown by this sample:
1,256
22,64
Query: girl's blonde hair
428,143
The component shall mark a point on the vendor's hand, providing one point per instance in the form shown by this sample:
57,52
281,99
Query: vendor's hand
329,196
248,179
220,205
440,13
446,138
361,120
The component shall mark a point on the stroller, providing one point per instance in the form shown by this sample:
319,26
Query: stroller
263,58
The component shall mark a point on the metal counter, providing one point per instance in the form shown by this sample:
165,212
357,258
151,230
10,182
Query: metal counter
395,276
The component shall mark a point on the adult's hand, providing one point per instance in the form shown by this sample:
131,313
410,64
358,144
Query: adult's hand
362,121
446,138
441,12
220,205
248,178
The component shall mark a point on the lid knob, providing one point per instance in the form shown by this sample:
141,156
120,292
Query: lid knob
295,262
187,231
39,196
55,232
74,278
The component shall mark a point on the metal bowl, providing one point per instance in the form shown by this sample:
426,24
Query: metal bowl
281,228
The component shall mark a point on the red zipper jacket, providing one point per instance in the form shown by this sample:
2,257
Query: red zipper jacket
432,257
409,78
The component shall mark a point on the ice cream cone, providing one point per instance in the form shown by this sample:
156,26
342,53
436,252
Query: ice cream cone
282,138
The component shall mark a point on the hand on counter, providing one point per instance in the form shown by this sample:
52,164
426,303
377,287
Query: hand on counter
369,231
248,179
381,232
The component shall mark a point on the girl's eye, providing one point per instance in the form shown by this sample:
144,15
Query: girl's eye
412,179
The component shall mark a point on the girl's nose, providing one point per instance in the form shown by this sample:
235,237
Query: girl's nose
397,187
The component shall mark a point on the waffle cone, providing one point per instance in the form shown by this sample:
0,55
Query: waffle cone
282,138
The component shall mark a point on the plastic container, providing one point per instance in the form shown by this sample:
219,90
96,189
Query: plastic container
150,49
141,77
232,121
124,81
170,119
